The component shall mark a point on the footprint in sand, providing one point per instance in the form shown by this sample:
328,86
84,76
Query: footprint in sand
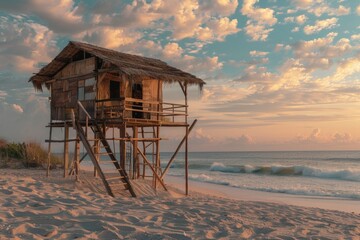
25,189
132,219
6,191
126,230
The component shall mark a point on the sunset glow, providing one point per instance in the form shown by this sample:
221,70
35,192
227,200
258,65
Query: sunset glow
280,74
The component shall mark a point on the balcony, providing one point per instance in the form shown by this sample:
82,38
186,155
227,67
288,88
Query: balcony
131,110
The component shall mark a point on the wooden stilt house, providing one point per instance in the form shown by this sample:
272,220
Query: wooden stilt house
100,93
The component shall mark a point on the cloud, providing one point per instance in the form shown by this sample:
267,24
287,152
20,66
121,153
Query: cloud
257,32
260,15
340,11
109,37
317,138
221,7
255,53
289,19
355,37
58,15
303,3
320,7
256,74
342,138
301,19
295,29
225,93
320,52
186,22
15,127
202,141
24,44
279,47
196,65
201,136
320,25
358,10
217,29
313,137
257,27
345,69
172,50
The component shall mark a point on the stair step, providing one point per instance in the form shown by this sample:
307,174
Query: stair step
124,183
104,153
107,162
119,188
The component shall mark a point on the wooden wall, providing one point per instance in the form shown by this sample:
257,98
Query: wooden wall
64,91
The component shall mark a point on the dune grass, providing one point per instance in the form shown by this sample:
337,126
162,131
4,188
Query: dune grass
28,155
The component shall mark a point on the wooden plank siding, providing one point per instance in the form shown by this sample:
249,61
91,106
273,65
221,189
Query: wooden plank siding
64,90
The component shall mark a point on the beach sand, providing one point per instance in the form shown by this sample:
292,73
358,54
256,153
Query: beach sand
36,207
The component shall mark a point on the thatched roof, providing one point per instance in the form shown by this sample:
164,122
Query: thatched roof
135,67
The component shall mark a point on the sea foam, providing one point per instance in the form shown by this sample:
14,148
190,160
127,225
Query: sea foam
278,170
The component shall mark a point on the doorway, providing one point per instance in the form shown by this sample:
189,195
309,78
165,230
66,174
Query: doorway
137,92
114,90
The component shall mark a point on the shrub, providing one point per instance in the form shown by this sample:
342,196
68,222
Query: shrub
30,154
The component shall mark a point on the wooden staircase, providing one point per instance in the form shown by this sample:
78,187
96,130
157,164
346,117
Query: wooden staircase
118,179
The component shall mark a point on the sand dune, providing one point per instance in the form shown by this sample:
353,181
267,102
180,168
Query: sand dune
34,207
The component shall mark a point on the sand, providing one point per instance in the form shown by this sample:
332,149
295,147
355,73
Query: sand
35,207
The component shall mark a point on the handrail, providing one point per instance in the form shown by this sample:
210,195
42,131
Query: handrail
110,99
82,108
155,110
141,101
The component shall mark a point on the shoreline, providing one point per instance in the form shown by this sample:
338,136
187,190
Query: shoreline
328,203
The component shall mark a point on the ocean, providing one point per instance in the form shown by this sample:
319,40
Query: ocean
311,173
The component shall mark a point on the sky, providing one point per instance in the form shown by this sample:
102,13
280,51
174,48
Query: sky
280,74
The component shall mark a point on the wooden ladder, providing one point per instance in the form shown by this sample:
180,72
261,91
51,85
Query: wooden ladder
111,183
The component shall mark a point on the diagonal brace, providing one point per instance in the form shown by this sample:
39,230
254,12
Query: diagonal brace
177,149
152,168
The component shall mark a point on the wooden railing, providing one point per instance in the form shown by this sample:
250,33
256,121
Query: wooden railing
110,108
138,109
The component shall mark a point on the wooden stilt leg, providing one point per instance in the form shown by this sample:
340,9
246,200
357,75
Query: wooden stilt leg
122,146
66,150
49,152
135,158
77,157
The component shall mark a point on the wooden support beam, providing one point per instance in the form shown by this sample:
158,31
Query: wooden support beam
177,150
157,149
96,147
77,157
66,150
144,149
122,146
135,155
186,143
182,88
59,141
49,153
152,168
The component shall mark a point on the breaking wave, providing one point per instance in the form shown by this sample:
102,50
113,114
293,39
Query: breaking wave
339,174
295,190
